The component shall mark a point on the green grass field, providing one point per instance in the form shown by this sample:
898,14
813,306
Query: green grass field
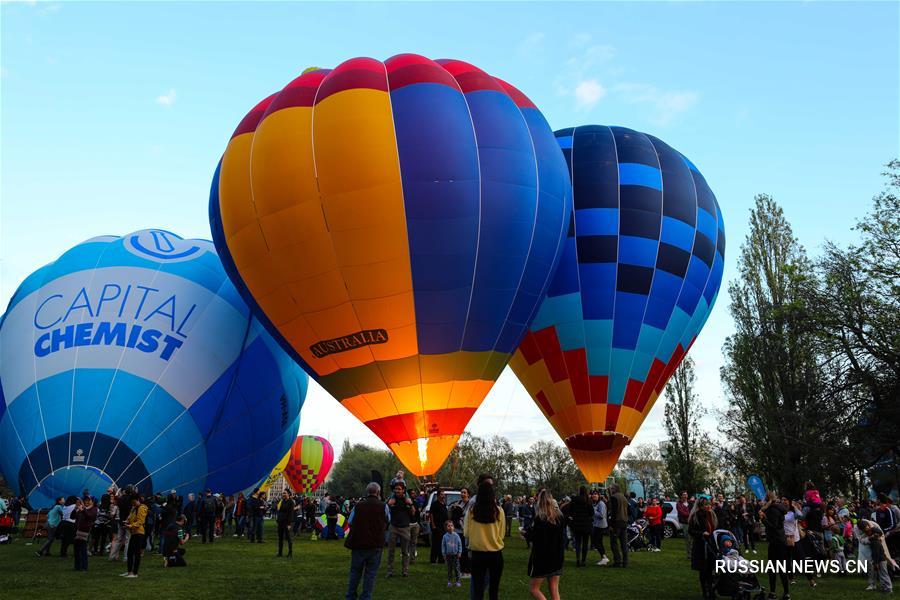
233,568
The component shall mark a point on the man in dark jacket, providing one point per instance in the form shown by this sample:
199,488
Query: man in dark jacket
437,517
618,521
402,511
368,521
285,519
207,512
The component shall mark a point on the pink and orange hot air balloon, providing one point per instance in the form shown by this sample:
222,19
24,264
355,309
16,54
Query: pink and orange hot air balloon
395,225
309,463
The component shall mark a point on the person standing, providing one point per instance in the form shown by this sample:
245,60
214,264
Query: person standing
53,520
683,508
285,520
67,526
654,515
368,521
509,511
451,548
402,510
580,516
526,513
772,517
135,524
85,517
484,527
702,523
618,517
548,547
102,526
190,509
457,515
331,519
599,527
119,542
207,518
437,518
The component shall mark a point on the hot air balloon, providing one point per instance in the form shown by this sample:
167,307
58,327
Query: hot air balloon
310,461
395,224
133,360
636,282
266,483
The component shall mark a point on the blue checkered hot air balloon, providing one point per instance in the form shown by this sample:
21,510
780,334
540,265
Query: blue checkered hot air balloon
639,274
133,360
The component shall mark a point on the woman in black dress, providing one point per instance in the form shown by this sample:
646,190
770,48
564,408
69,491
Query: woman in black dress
548,546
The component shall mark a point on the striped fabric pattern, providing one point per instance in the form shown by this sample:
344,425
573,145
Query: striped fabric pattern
395,225
640,271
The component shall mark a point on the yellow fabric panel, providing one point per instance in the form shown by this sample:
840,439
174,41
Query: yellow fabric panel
359,406
407,399
235,199
435,449
286,197
436,395
596,466
358,171
281,164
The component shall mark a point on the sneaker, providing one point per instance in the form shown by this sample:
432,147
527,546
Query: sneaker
466,576
449,584
130,576
125,574
603,562
38,554
871,588
458,584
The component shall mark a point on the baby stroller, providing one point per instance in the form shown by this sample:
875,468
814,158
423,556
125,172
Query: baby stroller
636,535
739,586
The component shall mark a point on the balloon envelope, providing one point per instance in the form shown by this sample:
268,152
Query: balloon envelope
309,463
133,360
395,224
638,277
265,484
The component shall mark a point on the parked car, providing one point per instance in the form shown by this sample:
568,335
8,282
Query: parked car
671,526
450,496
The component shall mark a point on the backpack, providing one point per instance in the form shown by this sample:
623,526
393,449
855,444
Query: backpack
209,505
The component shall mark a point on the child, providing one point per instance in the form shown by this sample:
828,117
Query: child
837,548
451,548
172,539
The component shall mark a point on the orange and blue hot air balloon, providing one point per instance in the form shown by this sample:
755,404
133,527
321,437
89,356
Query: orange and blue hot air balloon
309,463
639,274
395,225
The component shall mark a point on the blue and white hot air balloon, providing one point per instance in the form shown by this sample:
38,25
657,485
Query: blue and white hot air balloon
133,360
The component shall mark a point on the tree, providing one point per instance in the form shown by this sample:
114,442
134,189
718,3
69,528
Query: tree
644,465
549,465
684,454
473,456
781,422
859,318
353,470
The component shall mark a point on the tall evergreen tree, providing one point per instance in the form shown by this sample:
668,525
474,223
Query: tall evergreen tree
688,444
781,421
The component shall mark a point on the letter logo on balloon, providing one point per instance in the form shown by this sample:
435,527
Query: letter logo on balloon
120,366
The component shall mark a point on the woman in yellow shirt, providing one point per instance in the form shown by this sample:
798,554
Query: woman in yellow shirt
484,528
135,524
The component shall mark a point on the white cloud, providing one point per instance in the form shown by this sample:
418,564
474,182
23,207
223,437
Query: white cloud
166,99
588,92
667,104
533,44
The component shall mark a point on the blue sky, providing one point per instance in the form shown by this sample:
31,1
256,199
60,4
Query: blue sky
112,116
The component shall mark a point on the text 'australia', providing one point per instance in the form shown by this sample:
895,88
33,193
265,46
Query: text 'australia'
359,339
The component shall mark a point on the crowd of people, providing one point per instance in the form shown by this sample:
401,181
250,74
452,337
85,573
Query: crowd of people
468,534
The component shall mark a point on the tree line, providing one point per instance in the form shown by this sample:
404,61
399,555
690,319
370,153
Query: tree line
812,371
